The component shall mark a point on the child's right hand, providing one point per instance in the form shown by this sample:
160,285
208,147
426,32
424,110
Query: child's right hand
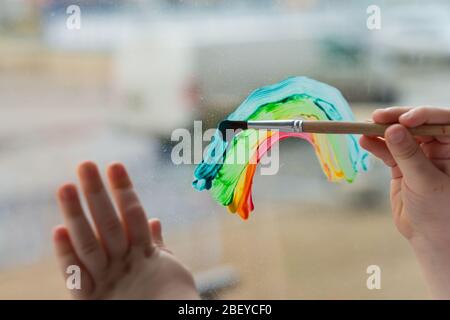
125,257
420,186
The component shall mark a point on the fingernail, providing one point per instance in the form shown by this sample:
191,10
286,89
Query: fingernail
118,177
406,115
376,111
90,177
59,233
119,170
395,136
68,193
88,170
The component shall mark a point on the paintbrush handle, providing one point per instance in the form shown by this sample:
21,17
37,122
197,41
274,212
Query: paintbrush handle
368,128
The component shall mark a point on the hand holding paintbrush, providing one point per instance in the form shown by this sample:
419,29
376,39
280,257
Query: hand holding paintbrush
416,147
420,185
332,127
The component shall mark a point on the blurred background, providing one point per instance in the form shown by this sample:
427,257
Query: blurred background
115,89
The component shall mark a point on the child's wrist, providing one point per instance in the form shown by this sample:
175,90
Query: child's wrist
434,259
433,254
425,245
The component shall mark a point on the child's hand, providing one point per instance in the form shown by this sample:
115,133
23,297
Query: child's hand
420,186
124,258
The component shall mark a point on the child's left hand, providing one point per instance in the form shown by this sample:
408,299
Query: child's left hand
124,258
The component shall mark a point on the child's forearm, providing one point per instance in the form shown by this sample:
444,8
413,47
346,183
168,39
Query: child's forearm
435,263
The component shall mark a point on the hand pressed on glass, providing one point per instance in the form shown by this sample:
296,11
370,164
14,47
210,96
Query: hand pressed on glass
124,256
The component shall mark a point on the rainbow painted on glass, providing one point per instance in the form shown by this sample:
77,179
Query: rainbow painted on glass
340,156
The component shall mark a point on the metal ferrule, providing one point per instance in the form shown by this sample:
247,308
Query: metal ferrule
281,125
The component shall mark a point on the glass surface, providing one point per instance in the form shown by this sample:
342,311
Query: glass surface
115,87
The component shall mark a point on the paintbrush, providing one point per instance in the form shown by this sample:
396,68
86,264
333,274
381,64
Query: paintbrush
333,127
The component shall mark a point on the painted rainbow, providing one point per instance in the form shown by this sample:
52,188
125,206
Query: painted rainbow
228,168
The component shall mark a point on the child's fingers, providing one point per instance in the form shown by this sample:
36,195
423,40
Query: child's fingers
424,139
437,150
389,115
443,165
422,115
396,173
102,210
416,168
378,148
156,231
427,115
68,259
130,208
83,239
412,117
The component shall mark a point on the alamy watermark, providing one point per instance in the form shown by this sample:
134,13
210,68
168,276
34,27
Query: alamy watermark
73,21
373,21
73,281
247,148
374,280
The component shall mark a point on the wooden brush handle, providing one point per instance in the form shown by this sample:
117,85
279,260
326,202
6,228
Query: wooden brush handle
370,129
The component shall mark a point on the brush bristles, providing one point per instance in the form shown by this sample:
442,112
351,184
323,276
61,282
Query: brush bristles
231,125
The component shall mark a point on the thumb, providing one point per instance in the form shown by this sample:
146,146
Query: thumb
156,232
416,168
